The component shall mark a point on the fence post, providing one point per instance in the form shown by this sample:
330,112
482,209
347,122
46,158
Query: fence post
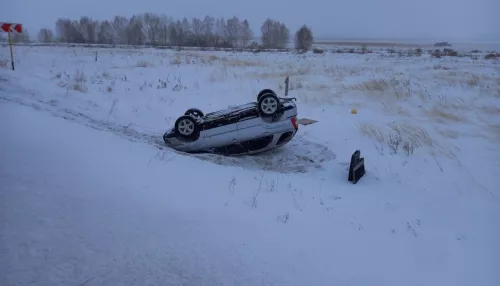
287,80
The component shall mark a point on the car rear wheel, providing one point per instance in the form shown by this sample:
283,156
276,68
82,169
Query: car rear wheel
268,104
265,91
194,112
186,127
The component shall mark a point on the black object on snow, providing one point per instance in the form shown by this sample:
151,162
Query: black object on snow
357,167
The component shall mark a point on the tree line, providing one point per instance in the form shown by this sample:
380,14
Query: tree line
162,30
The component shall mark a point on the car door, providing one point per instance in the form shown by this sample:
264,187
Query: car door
221,131
250,125
249,128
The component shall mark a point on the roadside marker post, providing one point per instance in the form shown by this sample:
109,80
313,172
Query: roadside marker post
287,80
11,28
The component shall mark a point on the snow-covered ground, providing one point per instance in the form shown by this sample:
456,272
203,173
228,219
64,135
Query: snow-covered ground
90,196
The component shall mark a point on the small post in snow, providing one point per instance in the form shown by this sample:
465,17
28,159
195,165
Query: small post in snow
11,51
287,80
96,56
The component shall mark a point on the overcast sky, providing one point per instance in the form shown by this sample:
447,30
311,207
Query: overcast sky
388,19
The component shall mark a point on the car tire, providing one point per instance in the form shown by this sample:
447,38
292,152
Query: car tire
265,91
187,128
268,105
194,112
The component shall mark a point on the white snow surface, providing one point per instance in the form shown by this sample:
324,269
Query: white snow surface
89,194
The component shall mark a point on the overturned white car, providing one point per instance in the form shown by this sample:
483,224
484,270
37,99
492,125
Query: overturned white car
255,127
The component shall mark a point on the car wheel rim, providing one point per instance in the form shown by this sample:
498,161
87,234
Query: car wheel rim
186,127
269,105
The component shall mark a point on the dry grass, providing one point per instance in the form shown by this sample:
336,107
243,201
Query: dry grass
368,44
416,135
465,79
335,71
208,60
302,70
4,63
144,64
374,84
283,73
493,110
473,80
192,58
398,137
441,114
235,62
318,87
175,61
338,71
79,82
106,75
440,67
495,132
449,133
372,131
393,87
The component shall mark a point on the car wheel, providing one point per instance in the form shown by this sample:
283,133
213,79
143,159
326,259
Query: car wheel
186,127
265,91
268,104
194,112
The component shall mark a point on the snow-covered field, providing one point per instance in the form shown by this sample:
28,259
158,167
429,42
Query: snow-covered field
89,195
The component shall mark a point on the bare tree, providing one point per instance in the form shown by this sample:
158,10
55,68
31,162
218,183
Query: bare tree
208,30
67,32
45,35
88,29
303,38
135,31
176,33
164,22
275,34
197,27
76,33
246,33
232,31
283,36
152,24
267,33
220,31
120,30
106,33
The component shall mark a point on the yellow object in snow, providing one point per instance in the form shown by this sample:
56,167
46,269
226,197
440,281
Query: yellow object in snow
354,111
